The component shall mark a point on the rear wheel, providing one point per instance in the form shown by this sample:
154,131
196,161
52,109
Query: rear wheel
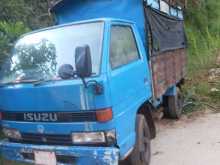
142,151
174,105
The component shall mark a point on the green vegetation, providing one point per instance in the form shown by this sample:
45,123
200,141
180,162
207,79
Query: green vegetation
203,33
9,32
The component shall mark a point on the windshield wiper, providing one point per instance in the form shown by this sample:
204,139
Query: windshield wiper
6,84
28,81
39,82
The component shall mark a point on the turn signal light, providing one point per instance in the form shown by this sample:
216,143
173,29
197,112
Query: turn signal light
104,115
0,115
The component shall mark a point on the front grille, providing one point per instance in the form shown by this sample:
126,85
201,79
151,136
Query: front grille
60,117
43,139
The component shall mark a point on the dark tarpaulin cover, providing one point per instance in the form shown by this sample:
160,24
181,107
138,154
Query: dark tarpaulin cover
167,33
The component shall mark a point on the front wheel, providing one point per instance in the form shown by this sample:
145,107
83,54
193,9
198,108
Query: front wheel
141,154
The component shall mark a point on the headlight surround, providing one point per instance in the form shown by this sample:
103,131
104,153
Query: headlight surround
111,137
107,138
12,133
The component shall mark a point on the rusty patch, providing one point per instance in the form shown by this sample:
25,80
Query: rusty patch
168,68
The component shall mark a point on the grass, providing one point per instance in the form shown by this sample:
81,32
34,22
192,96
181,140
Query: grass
202,29
203,50
199,96
202,91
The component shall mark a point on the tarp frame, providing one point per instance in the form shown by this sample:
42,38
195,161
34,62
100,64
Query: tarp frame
166,7
166,32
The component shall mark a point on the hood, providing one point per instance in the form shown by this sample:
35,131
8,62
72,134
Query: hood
50,97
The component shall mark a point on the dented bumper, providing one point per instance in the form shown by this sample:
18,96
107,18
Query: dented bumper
66,155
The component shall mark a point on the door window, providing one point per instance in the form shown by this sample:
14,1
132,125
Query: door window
123,49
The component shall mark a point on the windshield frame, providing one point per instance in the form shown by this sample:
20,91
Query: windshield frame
63,26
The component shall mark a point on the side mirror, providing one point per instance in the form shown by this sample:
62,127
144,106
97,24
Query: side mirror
66,71
83,61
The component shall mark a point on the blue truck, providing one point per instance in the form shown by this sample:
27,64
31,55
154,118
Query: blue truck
83,91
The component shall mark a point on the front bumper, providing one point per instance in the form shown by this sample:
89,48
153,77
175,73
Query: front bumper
79,155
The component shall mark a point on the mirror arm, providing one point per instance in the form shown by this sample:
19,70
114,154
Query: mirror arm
98,88
84,82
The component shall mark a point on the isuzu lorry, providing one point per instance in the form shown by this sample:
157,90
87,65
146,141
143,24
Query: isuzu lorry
83,91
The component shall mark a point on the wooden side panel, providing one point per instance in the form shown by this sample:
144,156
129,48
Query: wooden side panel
168,68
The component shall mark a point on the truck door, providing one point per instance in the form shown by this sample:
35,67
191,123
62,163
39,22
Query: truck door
129,78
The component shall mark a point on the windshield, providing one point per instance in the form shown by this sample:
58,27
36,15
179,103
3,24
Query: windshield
39,55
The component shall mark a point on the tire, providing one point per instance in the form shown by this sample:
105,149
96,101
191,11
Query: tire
174,105
141,153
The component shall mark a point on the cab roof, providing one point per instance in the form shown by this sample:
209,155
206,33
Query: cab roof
67,11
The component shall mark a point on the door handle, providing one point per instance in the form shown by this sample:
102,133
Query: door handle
145,81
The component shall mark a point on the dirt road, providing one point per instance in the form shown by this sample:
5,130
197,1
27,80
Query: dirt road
190,141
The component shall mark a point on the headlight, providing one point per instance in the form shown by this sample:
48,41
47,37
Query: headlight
88,137
94,138
11,133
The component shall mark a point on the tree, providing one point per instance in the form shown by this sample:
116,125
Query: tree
32,13
18,17
9,32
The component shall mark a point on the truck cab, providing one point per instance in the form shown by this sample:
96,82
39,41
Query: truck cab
56,105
